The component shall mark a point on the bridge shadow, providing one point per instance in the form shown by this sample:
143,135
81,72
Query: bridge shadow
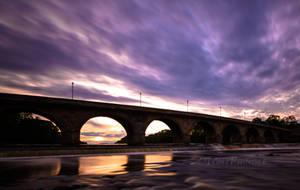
69,166
135,162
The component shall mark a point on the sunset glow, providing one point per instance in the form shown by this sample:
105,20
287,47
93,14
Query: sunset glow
156,126
102,130
99,138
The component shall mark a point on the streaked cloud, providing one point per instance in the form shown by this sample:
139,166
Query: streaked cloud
241,55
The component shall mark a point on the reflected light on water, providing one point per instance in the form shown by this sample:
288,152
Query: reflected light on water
45,167
104,165
121,164
158,158
154,162
161,173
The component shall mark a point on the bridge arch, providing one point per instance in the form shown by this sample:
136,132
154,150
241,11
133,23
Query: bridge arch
283,136
104,128
252,135
269,136
231,134
15,111
29,126
177,135
203,132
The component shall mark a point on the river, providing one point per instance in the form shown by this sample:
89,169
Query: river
276,169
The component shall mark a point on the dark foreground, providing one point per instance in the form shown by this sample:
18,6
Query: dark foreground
210,169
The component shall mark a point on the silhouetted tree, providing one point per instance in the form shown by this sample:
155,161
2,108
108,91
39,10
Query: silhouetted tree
164,136
122,140
26,128
290,121
275,121
257,120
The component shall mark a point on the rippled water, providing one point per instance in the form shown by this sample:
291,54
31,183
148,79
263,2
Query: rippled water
178,170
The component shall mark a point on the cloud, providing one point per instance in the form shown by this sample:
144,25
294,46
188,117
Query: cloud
236,54
92,134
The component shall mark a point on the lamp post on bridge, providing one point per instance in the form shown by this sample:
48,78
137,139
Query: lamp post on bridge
140,99
72,90
187,105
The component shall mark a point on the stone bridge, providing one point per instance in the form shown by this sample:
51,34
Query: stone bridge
71,115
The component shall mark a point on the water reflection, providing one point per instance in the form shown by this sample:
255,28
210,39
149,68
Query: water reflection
87,165
154,164
158,158
181,157
14,171
135,162
69,166
206,170
102,165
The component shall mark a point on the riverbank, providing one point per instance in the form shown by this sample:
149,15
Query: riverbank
43,150
53,150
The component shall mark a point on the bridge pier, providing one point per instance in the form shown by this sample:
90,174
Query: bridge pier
70,137
182,131
261,138
70,124
218,129
276,137
136,138
137,124
243,134
182,139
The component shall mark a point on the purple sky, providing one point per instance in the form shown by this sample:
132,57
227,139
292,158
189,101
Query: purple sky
241,55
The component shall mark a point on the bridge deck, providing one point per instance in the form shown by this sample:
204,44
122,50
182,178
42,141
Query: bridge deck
6,97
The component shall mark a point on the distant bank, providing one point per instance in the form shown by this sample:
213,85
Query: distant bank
53,150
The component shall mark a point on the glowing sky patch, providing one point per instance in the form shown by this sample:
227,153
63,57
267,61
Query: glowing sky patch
102,130
156,126
99,138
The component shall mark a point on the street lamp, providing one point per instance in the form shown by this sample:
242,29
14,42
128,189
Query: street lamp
72,90
140,99
187,105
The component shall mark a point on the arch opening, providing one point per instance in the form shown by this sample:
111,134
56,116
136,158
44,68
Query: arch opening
28,128
252,135
231,134
161,131
269,137
103,130
284,137
203,133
